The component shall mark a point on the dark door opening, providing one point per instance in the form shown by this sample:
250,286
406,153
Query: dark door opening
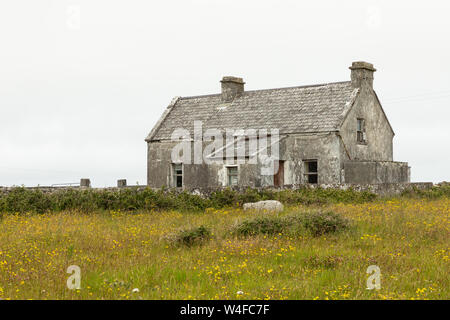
278,177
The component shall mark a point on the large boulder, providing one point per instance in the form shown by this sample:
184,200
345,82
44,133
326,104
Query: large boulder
267,205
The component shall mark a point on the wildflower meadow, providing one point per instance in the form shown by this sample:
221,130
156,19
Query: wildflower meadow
311,250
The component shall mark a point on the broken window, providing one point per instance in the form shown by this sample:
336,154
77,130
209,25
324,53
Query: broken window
177,169
311,174
232,173
361,131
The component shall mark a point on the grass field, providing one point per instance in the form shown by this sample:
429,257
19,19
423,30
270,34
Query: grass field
408,238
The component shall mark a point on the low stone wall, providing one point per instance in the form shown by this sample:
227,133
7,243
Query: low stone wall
43,189
62,189
384,189
376,172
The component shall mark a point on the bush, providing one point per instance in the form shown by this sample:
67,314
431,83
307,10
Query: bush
190,237
23,200
319,223
307,196
327,262
130,199
315,223
224,198
310,196
438,191
272,225
88,200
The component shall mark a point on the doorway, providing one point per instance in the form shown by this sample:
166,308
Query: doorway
278,177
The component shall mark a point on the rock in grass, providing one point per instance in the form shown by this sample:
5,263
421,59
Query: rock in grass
267,205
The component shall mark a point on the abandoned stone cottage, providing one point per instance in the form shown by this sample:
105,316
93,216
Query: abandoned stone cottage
330,133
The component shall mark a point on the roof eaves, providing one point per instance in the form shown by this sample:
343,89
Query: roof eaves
284,133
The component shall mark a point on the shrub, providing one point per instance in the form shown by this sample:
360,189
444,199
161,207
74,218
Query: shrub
323,196
253,195
24,200
88,200
315,223
132,199
265,225
305,195
319,223
190,237
223,198
327,262
438,191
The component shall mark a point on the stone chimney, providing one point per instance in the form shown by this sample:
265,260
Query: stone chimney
362,74
232,88
122,183
85,183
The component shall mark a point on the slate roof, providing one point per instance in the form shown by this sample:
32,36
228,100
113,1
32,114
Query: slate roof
316,108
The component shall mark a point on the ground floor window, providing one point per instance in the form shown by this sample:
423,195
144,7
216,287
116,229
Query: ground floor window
311,173
232,174
177,169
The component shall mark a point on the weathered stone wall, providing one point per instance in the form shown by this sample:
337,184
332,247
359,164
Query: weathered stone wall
323,147
378,131
293,149
159,164
43,189
373,172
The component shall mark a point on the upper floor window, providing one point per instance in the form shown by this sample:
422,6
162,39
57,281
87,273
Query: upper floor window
177,169
361,131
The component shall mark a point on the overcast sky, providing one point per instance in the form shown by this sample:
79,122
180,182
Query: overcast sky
82,82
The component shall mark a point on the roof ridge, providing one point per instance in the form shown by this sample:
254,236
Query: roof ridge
270,89
301,87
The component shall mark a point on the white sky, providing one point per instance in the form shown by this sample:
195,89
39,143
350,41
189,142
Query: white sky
82,82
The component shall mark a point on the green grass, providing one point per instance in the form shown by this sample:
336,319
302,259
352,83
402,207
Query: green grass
117,251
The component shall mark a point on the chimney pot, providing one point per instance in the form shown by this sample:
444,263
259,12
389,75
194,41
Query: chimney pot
232,87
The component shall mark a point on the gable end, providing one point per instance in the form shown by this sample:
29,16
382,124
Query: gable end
163,117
